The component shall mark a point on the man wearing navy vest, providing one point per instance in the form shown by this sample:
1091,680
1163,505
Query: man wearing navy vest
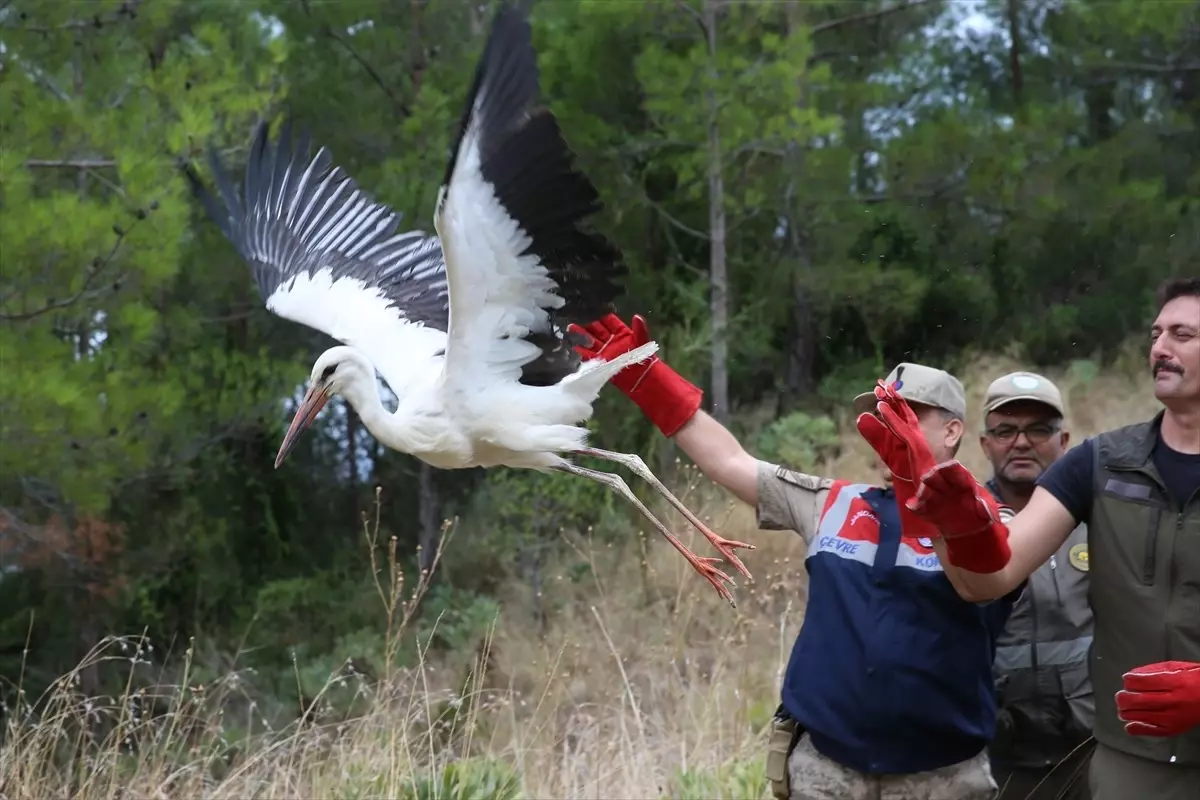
889,690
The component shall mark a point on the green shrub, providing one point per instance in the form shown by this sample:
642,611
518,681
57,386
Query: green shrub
739,780
469,779
799,440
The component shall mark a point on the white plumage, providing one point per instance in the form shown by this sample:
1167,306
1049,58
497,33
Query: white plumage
468,328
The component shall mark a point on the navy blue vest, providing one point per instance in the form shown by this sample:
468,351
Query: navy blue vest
892,670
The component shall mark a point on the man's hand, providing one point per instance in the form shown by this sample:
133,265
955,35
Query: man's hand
896,436
1161,699
663,395
947,495
904,456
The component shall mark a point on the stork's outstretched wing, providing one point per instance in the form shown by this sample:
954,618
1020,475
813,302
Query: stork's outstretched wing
520,268
326,255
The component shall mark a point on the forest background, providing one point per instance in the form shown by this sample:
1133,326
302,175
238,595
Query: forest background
806,193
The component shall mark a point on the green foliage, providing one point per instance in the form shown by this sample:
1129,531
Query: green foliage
1082,370
799,441
469,779
739,780
455,619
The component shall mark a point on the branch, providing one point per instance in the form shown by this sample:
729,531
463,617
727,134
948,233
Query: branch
865,16
682,5
1162,69
126,9
362,62
676,223
637,148
71,163
760,147
92,273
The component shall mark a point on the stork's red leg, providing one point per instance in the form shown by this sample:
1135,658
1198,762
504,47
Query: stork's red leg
703,565
724,546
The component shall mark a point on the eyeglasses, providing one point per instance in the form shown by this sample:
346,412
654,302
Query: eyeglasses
1037,433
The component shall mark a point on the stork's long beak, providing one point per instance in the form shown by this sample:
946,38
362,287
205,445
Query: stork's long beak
314,400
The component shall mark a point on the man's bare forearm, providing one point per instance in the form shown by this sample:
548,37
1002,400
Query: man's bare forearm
1034,535
720,456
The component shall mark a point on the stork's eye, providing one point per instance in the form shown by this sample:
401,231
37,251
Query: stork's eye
328,373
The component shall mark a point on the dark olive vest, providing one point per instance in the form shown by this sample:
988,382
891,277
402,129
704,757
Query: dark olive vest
1145,582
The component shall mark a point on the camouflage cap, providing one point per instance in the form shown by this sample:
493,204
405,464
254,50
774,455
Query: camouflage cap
1023,386
918,383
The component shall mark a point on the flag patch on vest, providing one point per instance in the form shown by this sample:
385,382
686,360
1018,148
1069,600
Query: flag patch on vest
849,529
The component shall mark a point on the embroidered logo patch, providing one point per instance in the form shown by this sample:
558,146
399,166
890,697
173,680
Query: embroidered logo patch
1078,556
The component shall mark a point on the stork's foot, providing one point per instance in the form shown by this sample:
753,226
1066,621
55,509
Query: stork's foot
707,567
726,547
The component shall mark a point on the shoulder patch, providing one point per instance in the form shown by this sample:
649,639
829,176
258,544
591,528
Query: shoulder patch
1078,556
813,483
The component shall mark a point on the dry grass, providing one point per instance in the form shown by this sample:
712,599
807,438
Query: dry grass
643,684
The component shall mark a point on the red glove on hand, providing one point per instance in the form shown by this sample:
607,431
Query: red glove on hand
662,394
901,459
1161,699
947,495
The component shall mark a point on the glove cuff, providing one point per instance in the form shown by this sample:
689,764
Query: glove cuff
983,553
665,397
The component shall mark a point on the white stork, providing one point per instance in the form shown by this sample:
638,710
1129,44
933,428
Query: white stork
467,328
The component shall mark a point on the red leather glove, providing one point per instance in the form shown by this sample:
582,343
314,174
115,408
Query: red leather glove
947,495
1161,699
663,395
901,461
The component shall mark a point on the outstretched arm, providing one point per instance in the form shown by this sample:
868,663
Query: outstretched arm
720,456
672,403
1062,500
1034,535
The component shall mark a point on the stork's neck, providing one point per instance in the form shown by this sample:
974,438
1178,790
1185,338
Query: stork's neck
395,431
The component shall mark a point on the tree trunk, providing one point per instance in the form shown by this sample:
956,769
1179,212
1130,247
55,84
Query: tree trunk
1014,55
718,275
802,339
352,459
802,347
430,516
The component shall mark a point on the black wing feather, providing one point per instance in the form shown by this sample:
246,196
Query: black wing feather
303,215
530,167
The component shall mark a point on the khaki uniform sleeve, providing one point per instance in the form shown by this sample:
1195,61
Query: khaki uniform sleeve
790,501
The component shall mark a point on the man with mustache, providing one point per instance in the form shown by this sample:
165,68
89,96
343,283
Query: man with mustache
867,709
1138,490
1046,707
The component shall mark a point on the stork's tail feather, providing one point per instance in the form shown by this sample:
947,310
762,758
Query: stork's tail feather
592,375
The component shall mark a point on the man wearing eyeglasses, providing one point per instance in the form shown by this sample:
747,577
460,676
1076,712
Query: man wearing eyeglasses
1043,689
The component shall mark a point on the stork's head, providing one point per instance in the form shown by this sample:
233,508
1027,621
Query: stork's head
339,370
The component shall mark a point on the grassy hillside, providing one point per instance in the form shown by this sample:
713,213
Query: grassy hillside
639,683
